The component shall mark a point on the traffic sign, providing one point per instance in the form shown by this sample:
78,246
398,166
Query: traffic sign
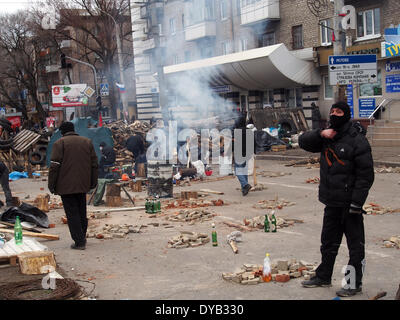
353,69
104,91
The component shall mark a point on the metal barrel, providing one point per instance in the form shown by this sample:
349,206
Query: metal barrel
159,175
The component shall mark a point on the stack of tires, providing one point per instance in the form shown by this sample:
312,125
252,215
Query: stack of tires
6,144
38,155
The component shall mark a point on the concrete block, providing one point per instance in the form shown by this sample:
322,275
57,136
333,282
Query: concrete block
283,265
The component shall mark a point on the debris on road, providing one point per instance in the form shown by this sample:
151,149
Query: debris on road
385,169
392,242
258,222
272,174
182,204
313,180
112,231
188,239
375,209
282,271
272,204
312,162
233,238
191,216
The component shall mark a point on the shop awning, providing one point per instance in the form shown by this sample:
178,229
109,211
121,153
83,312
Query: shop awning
257,69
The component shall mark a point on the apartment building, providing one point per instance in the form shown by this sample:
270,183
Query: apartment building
253,54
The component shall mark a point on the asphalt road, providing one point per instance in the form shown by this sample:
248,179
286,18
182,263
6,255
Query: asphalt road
141,266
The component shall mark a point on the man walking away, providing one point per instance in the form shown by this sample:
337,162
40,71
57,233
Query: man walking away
73,172
347,174
4,179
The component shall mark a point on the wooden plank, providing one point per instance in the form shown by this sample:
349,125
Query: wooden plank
23,139
117,209
211,191
32,234
27,144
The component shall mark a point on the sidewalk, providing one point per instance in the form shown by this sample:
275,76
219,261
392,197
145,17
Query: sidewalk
388,156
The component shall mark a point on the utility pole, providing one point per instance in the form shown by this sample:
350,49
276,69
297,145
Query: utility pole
339,92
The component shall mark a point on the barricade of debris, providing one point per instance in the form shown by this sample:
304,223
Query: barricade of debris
191,216
376,209
272,204
258,222
188,239
281,271
392,242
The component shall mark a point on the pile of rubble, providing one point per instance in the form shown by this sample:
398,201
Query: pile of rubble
184,204
281,271
273,204
272,174
312,162
191,216
385,169
258,222
375,209
313,180
392,242
188,239
257,187
111,231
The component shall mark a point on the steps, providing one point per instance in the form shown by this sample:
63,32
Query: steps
384,133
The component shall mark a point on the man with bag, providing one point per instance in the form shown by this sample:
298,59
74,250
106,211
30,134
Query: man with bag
346,176
73,173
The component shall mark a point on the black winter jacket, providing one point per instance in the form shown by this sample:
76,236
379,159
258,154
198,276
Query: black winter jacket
346,165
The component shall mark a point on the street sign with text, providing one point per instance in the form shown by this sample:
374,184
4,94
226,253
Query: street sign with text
353,69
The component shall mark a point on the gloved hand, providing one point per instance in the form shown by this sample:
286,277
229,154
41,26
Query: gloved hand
355,209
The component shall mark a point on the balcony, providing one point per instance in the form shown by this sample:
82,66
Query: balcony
201,30
253,11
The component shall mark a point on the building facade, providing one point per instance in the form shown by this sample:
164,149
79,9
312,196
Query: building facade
255,54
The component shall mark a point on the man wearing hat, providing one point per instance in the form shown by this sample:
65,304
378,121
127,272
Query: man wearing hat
72,174
346,175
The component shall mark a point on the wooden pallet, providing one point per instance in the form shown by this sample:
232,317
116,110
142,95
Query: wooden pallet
9,253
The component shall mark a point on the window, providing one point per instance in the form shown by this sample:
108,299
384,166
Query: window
224,9
328,89
172,26
198,11
226,47
372,89
326,33
294,98
267,39
242,44
268,98
297,33
187,56
368,23
175,59
207,51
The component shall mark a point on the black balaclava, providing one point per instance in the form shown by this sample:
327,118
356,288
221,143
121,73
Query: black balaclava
67,127
338,121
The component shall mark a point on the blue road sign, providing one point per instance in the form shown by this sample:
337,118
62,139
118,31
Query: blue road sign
352,69
104,90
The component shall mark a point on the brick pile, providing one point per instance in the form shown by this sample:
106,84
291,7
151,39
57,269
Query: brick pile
191,216
258,222
273,204
188,239
281,271
184,204
392,242
376,209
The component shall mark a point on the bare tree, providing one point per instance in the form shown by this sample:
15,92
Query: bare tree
90,25
19,67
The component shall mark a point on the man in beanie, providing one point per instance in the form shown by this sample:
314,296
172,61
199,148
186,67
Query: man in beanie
72,174
346,175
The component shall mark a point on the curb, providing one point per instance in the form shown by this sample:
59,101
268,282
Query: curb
288,158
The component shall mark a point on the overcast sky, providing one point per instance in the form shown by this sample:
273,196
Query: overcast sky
11,6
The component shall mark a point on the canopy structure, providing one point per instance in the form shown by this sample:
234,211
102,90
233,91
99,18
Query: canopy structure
263,68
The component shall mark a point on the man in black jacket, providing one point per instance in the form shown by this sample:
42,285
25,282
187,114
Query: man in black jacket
4,180
346,175
107,159
135,144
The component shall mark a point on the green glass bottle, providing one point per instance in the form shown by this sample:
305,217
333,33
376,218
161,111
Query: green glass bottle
147,206
158,205
266,224
18,231
153,206
273,222
214,236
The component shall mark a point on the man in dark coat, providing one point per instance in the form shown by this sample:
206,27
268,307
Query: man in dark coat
72,174
135,144
346,175
4,180
107,159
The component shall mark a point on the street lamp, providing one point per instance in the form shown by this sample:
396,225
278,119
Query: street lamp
121,69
